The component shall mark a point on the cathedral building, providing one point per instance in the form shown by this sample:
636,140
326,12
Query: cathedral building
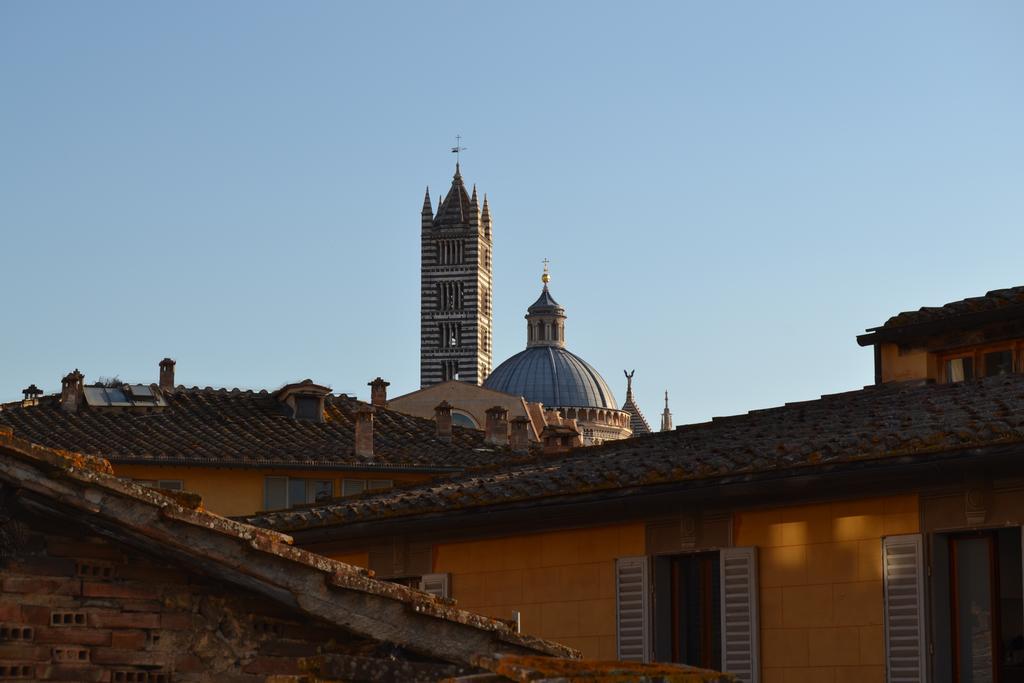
455,288
546,372
456,323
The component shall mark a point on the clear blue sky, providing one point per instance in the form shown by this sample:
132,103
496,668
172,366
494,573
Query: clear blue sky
728,192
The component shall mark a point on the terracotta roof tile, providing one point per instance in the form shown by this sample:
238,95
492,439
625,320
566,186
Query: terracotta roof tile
875,423
246,428
995,299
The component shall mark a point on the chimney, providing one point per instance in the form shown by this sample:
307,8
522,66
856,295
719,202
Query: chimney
379,392
364,431
71,394
520,434
496,429
167,375
443,418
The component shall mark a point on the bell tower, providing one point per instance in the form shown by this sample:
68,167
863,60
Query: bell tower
455,287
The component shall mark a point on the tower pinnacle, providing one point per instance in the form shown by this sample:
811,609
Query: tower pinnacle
666,417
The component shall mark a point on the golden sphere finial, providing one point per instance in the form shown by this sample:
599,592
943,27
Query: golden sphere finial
546,277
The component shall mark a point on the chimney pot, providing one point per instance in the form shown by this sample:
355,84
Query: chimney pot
520,440
443,418
379,392
496,429
167,375
364,431
72,395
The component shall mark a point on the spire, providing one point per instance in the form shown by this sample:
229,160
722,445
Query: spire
637,422
473,198
666,417
546,277
427,210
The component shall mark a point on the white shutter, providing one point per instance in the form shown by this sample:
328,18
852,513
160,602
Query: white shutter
905,642
436,584
632,608
740,637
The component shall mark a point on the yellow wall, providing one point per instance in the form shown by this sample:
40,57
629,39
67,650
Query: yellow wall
909,365
562,583
821,586
359,559
231,492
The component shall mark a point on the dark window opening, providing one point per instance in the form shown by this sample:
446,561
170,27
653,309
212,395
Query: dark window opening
998,363
959,369
307,408
978,622
687,609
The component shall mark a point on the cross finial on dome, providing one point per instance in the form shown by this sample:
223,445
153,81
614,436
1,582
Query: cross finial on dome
546,277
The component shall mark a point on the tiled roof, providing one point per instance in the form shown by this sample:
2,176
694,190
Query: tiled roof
874,423
168,526
996,299
245,428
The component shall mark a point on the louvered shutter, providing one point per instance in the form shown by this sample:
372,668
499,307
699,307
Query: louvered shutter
904,609
436,584
738,573
632,608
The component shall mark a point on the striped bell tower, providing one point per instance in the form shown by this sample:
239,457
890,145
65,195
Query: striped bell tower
455,288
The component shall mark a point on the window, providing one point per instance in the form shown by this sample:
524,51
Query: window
307,408
285,492
450,252
464,420
998,363
977,607
450,334
450,296
351,487
687,610
449,370
699,608
959,369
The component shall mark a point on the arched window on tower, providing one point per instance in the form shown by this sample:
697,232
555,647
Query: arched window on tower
529,332
554,332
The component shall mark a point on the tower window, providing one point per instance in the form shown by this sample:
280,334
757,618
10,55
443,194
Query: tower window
449,370
450,252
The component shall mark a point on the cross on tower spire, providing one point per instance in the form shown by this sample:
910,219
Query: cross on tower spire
457,149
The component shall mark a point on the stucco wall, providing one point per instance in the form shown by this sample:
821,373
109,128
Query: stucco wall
821,586
908,365
231,492
562,583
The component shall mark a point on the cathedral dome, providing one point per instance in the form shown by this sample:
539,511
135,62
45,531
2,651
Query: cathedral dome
546,372
553,376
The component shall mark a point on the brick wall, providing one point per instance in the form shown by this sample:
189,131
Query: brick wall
76,608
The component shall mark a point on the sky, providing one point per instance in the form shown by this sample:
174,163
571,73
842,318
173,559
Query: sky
728,192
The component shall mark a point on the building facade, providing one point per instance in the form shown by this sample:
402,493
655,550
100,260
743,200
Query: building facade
455,287
546,372
872,535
